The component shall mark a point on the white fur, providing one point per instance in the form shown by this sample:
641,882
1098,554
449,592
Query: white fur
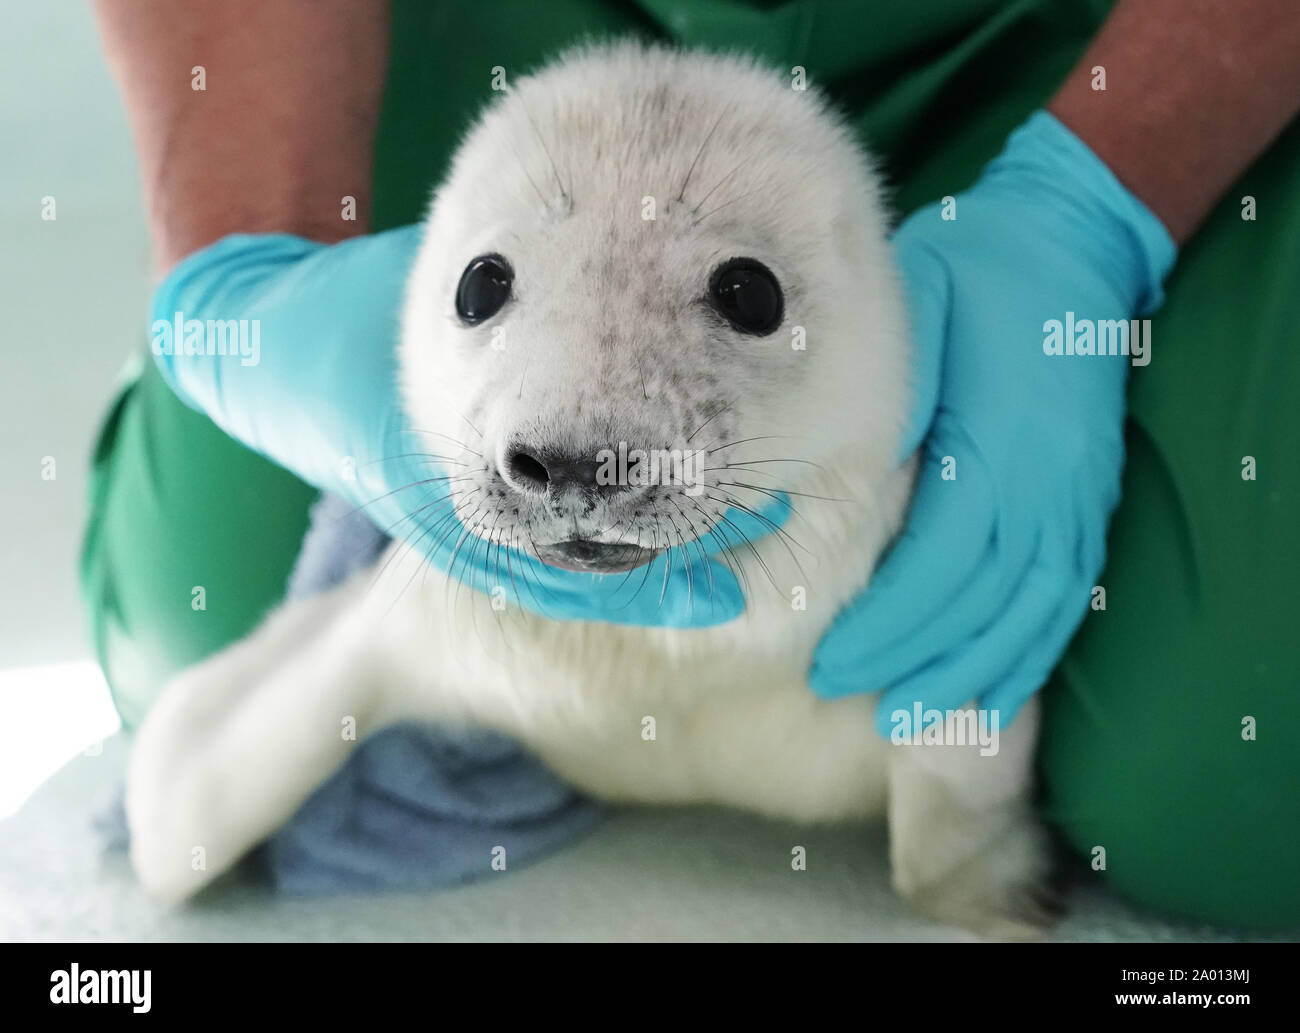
607,334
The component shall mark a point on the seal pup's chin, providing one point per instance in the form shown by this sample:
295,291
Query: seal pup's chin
595,557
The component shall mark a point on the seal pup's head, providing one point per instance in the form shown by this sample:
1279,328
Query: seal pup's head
655,285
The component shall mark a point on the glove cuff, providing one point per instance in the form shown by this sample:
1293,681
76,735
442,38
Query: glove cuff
203,277
1045,152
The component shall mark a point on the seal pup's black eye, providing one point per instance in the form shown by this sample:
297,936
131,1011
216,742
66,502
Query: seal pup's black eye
745,293
484,287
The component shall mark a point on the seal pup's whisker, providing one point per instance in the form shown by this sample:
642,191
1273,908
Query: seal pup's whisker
398,555
681,192
787,491
783,536
730,499
713,447
453,440
668,564
523,167
566,192
686,561
467,533
418,455
709,193
734,562
523,571
714,211
716,414
749,544
699,545
413,516
485,543
469,423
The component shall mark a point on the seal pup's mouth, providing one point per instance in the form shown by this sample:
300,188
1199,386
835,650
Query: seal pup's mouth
591,557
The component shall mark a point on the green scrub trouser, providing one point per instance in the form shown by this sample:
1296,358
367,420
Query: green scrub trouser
1170,724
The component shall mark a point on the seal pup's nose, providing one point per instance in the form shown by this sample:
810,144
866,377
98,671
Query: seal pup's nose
539,471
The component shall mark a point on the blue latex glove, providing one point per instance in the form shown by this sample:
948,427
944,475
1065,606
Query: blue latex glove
994,570
318,395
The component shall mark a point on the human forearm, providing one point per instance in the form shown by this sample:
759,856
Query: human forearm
1195,91
283,131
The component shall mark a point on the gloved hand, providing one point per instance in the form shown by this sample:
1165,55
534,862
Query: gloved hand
316,392
1021,465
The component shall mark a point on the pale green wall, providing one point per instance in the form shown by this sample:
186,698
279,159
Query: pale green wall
72,297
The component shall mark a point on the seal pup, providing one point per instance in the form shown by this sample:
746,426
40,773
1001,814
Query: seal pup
635,250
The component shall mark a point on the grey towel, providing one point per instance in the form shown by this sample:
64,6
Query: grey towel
416,805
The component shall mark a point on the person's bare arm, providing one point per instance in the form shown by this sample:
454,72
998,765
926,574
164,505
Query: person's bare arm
1195,91
283,131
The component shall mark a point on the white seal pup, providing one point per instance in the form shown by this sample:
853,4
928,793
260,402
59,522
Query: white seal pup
630,244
